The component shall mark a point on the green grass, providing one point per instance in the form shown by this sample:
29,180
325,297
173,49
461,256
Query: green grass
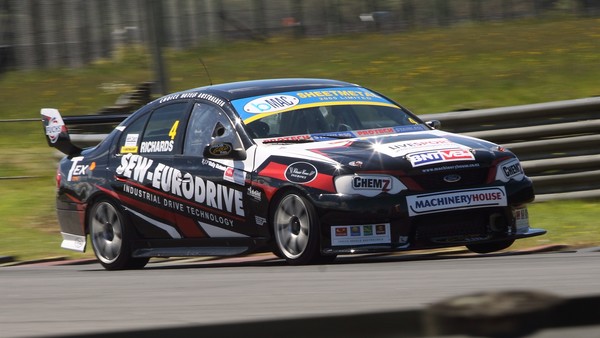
437,70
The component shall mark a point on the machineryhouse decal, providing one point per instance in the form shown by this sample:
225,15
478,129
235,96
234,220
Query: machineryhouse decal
173,181
458,199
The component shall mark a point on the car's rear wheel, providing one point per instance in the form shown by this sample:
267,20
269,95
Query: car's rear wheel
483,248
110,237
296,230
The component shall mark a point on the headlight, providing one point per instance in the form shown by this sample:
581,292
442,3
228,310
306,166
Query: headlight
509,170
368,185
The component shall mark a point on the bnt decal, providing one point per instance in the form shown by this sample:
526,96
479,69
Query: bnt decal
439,156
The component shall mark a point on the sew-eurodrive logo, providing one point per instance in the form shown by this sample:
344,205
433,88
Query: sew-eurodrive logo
439,156
457,199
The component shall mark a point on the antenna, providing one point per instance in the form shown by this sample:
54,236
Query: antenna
206,70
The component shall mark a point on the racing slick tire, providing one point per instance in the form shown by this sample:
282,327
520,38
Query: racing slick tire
296,230
483,248
111,237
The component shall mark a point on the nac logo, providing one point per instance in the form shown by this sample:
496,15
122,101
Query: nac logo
269,104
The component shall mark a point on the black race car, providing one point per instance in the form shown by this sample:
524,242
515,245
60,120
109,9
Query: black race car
306,168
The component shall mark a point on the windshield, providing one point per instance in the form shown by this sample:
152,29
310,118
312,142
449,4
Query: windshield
307,116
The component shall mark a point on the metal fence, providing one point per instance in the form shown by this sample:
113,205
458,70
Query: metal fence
71,33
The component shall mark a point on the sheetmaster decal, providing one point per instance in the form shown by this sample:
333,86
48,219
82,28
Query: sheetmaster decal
180,184
252,108
457,199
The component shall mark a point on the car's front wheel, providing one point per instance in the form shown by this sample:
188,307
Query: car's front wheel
483,248
110,237
296,230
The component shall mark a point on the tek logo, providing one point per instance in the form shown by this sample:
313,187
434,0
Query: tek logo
77,169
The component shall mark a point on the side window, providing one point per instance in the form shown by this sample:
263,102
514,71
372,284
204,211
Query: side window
208,123
130,138
163,133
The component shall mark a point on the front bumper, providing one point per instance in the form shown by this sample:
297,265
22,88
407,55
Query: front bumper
354,224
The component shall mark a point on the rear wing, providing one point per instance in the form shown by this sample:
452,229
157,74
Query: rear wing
57,133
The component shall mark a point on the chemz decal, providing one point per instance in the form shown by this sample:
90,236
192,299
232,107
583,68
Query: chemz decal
300,172
172,181
457,199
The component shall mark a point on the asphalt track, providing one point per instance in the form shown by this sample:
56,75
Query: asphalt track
50,299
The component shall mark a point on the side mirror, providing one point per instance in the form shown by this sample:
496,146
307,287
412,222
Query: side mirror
434,124
224,150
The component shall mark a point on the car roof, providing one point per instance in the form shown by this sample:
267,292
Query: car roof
237,90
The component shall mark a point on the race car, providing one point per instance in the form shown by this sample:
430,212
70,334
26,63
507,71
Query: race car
305,168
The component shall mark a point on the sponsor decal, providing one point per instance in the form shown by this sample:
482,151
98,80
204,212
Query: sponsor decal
521,216
355,164
411,128
346,94
340,231
251,108
372,132
451,167
131,149
301,172
368,185
288,138
221,149
344,235
402,148
234,176
156,146
131,140
255,194
54,128
512,169
79,169
130,145
379,183
260,220
214,165
197,95
439,156
272,103
181,184
457,199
